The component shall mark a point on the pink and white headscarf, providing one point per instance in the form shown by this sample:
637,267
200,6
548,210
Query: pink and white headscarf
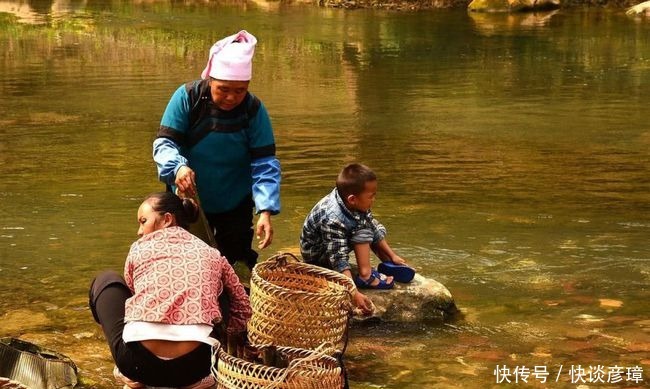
231,58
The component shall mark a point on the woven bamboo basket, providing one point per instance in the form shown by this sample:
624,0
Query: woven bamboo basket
27,365
296,304
305,369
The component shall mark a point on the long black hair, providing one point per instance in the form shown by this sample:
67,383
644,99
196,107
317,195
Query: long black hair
185,211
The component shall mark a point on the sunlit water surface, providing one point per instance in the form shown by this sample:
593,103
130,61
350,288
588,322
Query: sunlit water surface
512,155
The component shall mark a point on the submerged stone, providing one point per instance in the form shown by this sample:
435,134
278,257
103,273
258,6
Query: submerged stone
19,320
610,303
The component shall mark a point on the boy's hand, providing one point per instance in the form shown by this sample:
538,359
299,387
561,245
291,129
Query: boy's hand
398,260
364,303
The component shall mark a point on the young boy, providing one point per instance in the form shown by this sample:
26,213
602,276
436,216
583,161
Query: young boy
341,222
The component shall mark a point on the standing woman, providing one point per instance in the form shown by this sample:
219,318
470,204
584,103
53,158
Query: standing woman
158,319
215,137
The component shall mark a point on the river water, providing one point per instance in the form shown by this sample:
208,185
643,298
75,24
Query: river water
511,151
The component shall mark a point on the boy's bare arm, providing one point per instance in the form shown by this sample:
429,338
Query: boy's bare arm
385,253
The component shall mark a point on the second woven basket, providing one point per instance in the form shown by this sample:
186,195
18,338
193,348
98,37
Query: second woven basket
306,369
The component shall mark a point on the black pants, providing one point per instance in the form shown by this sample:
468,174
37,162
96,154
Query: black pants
108,293
234,233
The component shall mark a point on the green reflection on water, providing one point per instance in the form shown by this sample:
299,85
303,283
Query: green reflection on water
511,152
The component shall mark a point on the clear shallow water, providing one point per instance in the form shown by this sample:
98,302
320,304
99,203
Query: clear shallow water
512,153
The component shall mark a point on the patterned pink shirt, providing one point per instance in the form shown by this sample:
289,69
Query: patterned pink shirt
176,278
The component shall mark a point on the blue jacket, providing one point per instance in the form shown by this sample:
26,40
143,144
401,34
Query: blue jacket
231,152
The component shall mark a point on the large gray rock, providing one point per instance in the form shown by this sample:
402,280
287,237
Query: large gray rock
421,300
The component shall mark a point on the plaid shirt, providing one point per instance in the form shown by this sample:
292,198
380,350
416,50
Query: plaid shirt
329,230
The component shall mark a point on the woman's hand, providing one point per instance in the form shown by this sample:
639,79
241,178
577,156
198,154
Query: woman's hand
185,181
128,383
236,344
264,230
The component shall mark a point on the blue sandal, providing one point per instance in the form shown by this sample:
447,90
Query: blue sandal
374,275
400,273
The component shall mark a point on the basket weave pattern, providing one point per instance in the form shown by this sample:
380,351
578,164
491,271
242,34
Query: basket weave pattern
6,383
308,369
27,365
299,305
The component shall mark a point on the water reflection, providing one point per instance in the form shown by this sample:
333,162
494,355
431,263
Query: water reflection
489,24
42,11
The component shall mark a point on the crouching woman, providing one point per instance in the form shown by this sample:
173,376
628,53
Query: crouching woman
158,319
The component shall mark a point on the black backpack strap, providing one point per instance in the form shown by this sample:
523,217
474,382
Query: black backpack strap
199,93
200,107
253,108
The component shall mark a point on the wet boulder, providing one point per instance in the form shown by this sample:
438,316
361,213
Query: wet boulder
421,300
512,5
640,9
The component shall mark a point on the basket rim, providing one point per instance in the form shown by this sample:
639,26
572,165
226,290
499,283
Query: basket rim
221,353
33,351
347,285
281,290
